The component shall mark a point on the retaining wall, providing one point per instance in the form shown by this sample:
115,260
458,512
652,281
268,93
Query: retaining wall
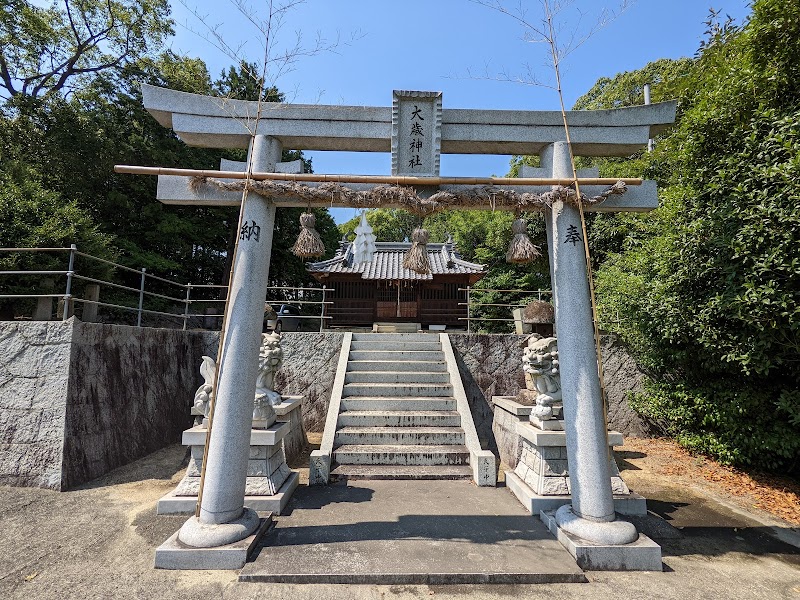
80,399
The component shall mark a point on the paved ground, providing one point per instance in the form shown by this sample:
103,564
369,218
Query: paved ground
98,542
410,532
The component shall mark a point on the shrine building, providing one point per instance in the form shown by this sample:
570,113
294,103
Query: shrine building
384,291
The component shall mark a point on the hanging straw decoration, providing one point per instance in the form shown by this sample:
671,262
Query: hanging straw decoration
417,257
309,243
522,250
364,244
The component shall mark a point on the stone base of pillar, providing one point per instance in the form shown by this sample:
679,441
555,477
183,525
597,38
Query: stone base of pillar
643,554
173,554
540,479
269,484
624,504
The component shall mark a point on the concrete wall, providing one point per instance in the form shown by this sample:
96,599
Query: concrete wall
130,393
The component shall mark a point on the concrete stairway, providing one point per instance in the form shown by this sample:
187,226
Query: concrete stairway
397,414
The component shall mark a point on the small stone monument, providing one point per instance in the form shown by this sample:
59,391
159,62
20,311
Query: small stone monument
540,478
269,483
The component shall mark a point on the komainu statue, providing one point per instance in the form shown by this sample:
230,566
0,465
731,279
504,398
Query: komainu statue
270,358
202,397
542,378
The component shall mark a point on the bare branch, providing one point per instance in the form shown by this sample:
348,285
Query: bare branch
546,29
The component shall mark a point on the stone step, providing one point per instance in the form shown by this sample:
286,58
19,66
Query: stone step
381,345
396,327
397,403
411,337
344,472
402,377
397,389
399,418
429,366
399,436
412,355
401,455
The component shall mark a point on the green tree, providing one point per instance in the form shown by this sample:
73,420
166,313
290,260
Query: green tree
706,289
388,224
50,50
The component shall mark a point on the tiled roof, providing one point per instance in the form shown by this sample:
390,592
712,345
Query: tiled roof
388,262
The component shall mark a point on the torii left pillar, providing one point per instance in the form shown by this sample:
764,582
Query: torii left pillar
223,518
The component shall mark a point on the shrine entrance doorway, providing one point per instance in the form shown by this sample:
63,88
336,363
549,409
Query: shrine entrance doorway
398,301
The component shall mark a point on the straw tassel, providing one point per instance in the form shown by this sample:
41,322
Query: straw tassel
309,243
417,257
522,250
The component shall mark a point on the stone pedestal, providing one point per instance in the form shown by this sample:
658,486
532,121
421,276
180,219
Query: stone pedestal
288,411
540,471
269,483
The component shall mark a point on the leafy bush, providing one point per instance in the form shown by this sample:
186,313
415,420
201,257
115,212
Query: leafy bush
706,289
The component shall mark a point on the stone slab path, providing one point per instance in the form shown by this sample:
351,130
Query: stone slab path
409,532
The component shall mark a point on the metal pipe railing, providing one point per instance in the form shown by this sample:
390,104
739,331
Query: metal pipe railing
141,292
470,305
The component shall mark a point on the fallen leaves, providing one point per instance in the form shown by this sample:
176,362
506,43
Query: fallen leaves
777,495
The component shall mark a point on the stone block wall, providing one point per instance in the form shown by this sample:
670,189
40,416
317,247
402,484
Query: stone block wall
34,378
622,376
130,393
490,365
80,399
309,368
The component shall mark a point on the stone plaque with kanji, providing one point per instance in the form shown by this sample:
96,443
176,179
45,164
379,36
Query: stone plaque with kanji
416,133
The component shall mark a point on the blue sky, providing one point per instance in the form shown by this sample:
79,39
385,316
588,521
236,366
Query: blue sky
436,46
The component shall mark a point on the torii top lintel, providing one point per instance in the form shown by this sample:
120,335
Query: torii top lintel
215,122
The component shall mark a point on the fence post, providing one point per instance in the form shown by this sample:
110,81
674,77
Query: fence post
186,305
91,295
67,312
469,312
322,312
44,306
141,300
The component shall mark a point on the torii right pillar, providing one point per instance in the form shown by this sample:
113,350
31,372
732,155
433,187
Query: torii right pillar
588,527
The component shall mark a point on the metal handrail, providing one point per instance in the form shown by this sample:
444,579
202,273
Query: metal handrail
34,249
34,272
474,289
297,302
20,296
130,308
69,300
470,305
487,304
125,287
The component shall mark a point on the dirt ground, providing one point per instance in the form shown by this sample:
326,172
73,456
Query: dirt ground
98,541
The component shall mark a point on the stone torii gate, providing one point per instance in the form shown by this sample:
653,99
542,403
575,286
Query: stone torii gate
416,130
